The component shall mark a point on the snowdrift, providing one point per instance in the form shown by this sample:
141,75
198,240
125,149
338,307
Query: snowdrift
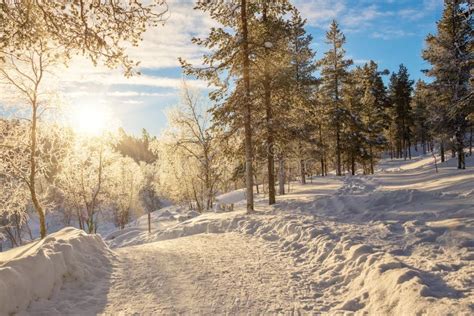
37,270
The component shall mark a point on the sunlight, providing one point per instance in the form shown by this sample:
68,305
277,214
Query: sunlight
91,119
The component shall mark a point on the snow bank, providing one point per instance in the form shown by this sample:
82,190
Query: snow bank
37,270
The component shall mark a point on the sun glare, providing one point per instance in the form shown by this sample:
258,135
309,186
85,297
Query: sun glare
91,119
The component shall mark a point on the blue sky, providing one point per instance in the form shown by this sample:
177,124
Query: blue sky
390,32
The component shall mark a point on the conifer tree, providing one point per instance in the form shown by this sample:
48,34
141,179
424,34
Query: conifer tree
450,54
334,72
302,82
374,116
401,88
269,68
421,101
229,60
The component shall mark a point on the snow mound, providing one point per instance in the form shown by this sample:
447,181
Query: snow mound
38,270
137,231
231,197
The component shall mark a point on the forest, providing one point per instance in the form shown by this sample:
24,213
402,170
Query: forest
276,113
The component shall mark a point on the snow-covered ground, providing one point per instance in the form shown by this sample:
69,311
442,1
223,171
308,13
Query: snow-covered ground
400,242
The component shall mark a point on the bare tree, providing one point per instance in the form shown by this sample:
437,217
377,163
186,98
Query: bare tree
190,136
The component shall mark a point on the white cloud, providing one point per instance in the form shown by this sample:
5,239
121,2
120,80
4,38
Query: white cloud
118,94
163,45
319,12
360,61
362,17
389,33
142,80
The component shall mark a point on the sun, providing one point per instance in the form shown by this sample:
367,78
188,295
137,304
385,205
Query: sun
91,119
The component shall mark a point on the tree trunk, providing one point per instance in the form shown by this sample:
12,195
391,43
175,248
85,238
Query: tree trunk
79,220
302,171
352,165
470,143
338,152
442,151
281,175
409,148
256,183
247,109
460,148
32,183
269,121
149,222
323,164
371,160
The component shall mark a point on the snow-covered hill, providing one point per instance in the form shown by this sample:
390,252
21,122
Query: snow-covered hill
399,242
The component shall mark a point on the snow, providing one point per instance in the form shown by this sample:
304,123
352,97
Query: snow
399,242
231,197
38,270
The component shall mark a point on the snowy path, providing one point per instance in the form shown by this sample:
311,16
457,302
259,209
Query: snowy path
200,274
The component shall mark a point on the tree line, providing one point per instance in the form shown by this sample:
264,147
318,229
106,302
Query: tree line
277,112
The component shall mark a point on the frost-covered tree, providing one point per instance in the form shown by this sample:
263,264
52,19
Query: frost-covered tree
300,85
24,73
14,195
189,141
126,182
422,101
86,178
373,114
99,30
36,35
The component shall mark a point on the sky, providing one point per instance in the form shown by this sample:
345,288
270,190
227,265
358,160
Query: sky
389,32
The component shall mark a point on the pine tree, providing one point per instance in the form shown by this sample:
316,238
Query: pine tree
302,82
229,59
352,136
269,67
401,88
421,101
450,54
374,116
334,72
